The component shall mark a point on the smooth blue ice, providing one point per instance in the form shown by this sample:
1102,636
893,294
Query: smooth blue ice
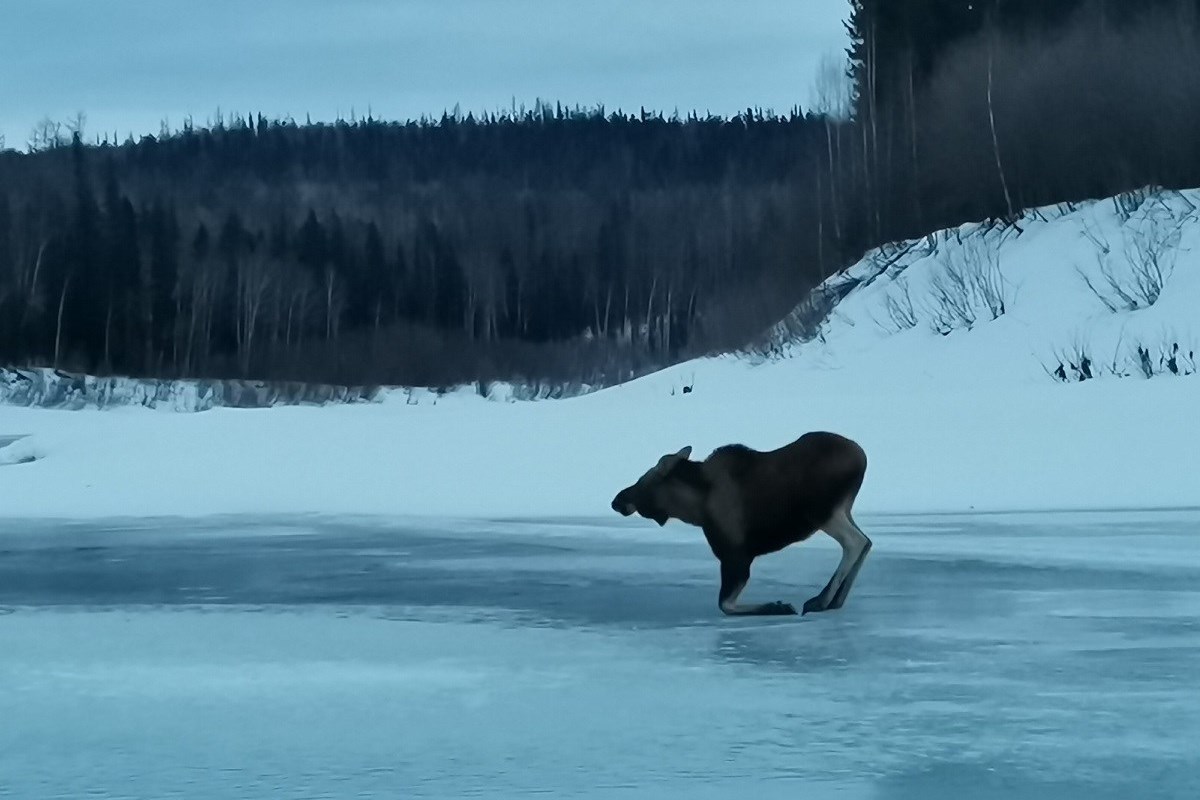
1022,656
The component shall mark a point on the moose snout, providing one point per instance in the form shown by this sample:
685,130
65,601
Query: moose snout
622,504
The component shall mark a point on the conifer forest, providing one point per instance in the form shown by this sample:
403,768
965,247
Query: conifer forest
567,243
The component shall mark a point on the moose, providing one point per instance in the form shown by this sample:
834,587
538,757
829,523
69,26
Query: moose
751,503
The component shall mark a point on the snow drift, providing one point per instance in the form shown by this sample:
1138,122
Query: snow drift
1044,364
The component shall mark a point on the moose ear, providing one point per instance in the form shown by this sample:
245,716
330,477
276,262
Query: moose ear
669,461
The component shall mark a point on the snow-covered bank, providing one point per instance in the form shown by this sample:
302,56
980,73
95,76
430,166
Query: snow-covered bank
941,362
1086,445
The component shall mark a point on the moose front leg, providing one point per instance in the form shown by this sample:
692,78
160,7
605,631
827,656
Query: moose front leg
735,574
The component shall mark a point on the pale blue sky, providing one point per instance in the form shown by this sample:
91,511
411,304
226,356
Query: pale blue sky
129,63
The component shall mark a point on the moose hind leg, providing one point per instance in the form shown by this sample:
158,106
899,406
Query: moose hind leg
855,546
839,597
735,574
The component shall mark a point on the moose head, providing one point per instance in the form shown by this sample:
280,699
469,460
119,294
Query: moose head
671,488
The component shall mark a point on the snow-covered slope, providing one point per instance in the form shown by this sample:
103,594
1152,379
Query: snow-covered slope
943,360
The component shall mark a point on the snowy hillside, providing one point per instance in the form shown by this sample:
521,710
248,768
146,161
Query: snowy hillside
1115,283
1048,364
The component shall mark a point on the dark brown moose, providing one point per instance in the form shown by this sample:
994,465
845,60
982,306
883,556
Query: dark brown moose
750,503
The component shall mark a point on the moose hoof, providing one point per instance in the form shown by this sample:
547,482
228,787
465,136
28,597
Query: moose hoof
781,609
813,604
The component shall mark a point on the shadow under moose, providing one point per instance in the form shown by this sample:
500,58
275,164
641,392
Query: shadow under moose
750,503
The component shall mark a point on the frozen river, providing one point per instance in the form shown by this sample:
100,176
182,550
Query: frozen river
1023,656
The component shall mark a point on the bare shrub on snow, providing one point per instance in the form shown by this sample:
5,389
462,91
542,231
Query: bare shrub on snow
1126,204
1074,363
804,323
1163,359
899,306
1151,254
1136,278
968,288
1140,358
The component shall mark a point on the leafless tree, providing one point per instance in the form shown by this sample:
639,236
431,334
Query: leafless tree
255,276
992,112
832,92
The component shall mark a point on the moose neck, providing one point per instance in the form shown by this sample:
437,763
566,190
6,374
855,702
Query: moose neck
688,488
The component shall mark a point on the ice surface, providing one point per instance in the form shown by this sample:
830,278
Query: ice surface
982,656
